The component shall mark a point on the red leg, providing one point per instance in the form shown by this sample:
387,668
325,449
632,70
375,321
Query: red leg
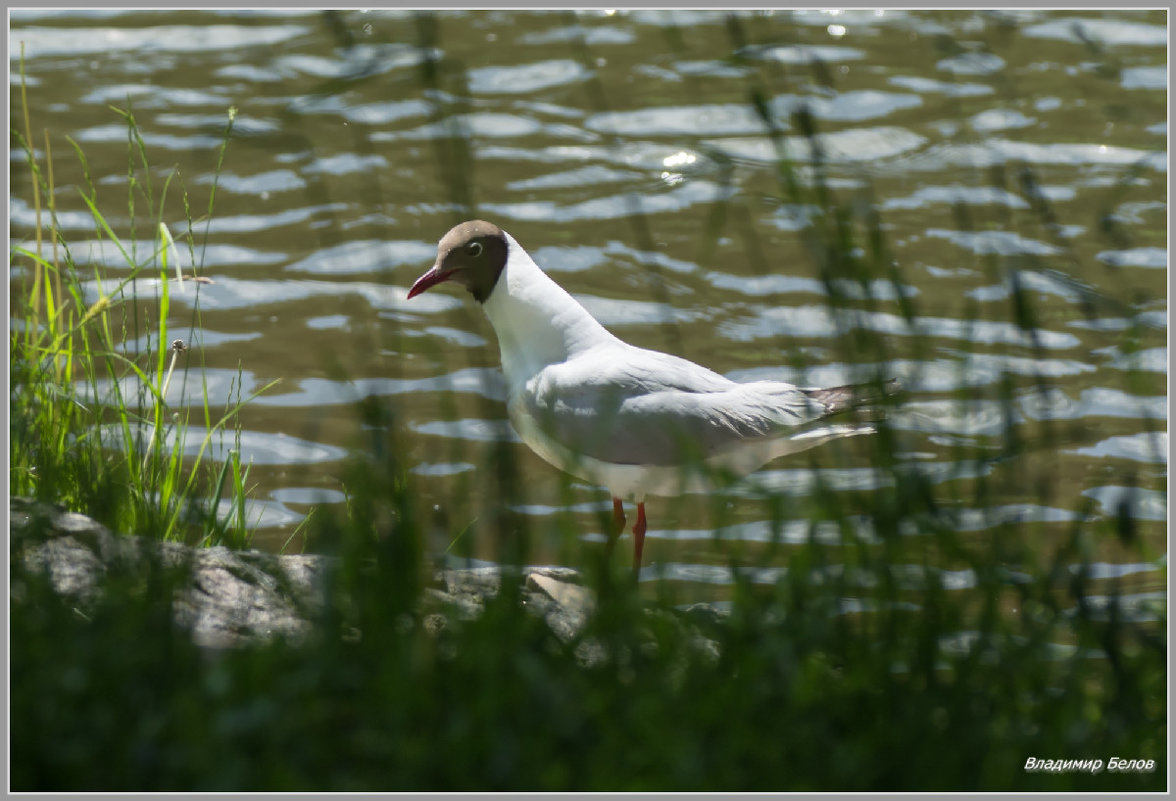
638,536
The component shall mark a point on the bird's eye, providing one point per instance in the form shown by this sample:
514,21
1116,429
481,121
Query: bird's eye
474,249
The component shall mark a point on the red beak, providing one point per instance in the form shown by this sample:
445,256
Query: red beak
430,279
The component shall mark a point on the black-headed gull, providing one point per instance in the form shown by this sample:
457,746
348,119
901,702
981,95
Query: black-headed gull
636,421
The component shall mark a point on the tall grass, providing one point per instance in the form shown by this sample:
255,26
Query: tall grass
92,427
914,689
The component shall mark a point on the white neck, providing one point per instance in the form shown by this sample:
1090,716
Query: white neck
536,321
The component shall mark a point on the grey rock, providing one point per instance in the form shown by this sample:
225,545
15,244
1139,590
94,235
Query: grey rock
570,604
227,597
232,597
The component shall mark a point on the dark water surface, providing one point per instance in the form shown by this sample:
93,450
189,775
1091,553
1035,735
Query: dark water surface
622,150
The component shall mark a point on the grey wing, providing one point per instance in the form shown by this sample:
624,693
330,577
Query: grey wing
646,408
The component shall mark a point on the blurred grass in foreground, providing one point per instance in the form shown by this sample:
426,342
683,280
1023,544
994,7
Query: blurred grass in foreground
797,695
914,688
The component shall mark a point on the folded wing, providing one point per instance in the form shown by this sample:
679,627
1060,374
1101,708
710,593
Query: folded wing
629,406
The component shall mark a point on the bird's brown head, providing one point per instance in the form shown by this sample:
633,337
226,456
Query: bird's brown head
472,254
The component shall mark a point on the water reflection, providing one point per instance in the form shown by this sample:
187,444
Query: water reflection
645,182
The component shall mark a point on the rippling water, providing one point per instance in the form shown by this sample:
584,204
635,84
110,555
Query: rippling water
623,151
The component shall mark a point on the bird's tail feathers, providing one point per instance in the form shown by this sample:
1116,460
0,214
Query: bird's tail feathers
852,396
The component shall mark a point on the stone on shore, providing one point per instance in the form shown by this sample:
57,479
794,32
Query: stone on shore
233,597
